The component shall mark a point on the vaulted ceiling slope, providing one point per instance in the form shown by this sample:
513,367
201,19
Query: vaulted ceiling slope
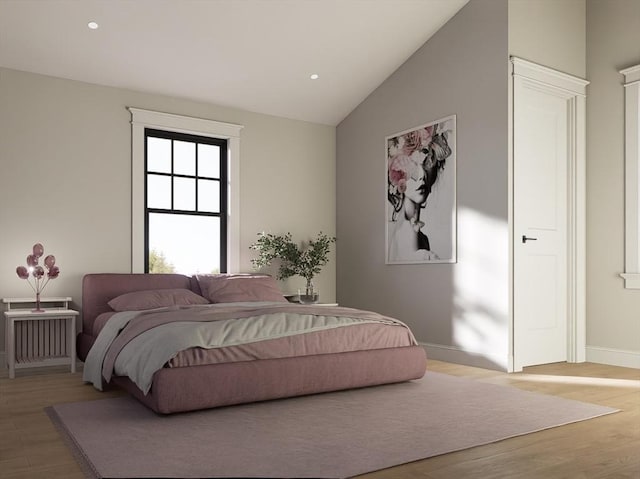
255,55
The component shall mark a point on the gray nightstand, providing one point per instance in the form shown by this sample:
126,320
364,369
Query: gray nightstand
46,338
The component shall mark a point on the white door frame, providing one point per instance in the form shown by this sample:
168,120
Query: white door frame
532,75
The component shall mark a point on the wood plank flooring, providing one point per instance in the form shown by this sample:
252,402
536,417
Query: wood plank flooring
605,447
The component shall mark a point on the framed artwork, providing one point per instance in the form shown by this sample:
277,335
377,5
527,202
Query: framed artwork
421,194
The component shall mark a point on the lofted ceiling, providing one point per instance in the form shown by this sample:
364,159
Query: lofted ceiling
255,55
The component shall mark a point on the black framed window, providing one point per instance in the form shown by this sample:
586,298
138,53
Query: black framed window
185,203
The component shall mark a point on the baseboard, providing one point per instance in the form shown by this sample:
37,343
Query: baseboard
614,357
456,355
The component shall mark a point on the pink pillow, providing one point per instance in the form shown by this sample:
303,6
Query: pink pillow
155,298
232,288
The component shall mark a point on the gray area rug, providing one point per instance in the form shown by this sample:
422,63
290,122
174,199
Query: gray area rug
332,435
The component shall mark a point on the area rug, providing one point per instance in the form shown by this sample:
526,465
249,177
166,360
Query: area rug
332,435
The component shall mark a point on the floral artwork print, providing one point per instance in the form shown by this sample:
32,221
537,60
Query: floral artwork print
421,194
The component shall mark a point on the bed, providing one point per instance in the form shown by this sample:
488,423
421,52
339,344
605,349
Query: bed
344,348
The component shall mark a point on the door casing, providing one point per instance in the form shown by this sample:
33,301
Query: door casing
574,90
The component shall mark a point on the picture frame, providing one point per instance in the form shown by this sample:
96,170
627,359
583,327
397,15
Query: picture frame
420,182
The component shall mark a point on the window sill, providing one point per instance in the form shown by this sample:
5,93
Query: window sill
631,280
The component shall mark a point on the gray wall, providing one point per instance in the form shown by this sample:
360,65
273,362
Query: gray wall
549,32
461,70
65,178
613,313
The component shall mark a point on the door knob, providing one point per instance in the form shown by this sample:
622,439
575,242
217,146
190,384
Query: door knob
525,239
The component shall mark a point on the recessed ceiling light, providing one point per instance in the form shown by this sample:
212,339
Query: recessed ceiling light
93,25
315,76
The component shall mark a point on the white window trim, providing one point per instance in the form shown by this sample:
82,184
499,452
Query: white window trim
141,119
631,273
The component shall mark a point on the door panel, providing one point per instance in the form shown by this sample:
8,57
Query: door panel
539,189
540,213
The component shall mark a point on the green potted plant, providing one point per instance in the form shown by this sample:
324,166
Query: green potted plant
304,260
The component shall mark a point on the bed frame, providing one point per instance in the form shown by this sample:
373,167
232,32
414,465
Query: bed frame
199,387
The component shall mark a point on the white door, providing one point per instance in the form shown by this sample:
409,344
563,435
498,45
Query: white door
540,152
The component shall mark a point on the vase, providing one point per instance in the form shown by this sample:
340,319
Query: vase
308,295
37,309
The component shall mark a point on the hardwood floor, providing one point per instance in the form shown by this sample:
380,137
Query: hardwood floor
604,447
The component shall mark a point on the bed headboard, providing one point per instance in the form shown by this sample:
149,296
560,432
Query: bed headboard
100,288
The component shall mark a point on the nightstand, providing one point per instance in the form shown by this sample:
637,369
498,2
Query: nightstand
47,338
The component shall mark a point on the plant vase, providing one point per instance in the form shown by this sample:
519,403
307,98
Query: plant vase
308,295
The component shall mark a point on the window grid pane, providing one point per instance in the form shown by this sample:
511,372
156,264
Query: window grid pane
209,196
159,191
159,155
184,158
208,161
184,194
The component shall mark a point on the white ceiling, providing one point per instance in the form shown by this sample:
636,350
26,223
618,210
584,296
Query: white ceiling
255,55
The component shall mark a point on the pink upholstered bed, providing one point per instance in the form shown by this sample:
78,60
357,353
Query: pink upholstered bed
197,378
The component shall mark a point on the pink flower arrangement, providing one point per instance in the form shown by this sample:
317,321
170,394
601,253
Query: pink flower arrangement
406,155
399,169
417,140
33,269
